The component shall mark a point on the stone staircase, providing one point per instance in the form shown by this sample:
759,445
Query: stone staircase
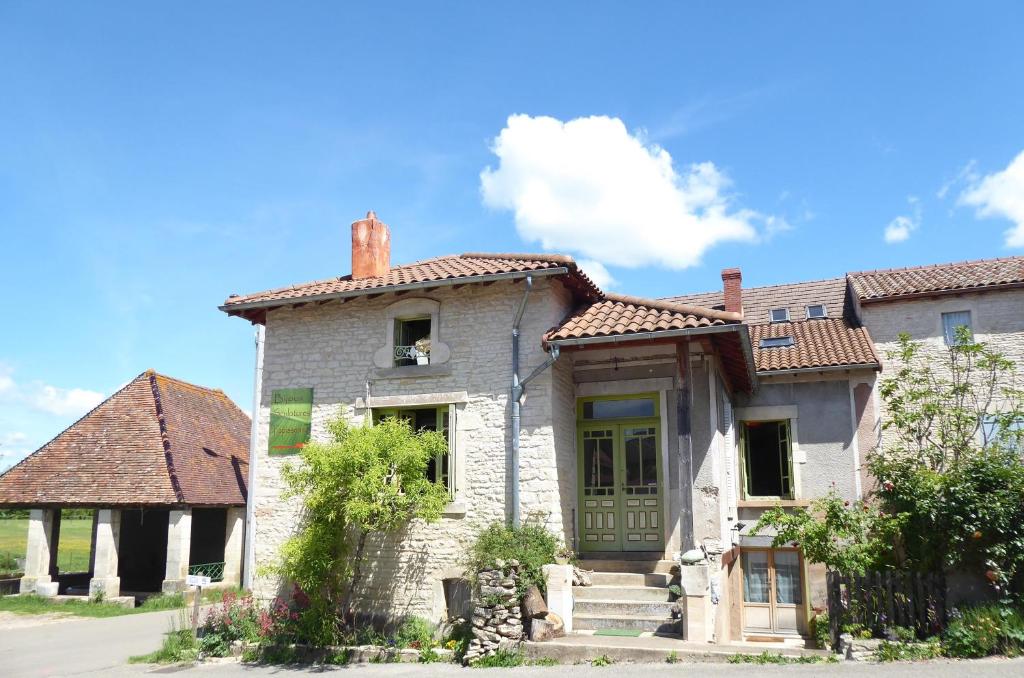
627,595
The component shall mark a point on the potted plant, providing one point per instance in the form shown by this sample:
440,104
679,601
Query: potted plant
564,556
422,347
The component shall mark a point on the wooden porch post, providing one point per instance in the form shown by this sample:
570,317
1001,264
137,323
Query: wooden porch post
684,407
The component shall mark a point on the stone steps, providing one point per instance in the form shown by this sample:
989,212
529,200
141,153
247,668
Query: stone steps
637,593
624,608
630,579
581,647
625,622
628,566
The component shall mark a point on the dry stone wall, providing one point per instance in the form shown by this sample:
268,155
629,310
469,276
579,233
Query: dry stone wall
497,614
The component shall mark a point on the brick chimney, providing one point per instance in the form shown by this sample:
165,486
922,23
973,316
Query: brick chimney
732,284
371,247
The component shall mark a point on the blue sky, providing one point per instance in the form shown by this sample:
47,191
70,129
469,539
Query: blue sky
154,159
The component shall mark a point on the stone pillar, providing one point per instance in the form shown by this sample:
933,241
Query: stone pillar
179,543
234,543
105,583
39,550
698,618
558,581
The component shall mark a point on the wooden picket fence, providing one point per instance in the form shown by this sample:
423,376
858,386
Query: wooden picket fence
878,600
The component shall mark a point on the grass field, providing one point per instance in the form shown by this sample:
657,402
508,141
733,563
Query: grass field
72,552
34,605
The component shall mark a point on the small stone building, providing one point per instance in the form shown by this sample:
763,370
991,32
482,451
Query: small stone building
163,465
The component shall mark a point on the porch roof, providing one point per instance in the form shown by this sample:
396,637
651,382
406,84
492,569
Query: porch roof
158,441
619,318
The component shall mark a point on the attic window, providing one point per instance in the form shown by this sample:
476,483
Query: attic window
776,342
779,315
815,311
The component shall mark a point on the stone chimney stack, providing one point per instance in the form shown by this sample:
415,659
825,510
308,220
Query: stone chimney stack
371,247
732,284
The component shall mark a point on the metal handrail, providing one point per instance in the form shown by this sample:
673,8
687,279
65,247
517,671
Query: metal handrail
215,571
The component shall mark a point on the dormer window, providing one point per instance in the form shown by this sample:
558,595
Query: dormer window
776,342
779,315
815,311
412,341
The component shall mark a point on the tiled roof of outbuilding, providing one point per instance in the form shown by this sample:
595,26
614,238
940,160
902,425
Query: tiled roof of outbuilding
828,342
447,268
836,341
936,279
157,441
619,315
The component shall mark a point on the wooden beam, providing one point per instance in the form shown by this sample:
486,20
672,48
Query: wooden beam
684,415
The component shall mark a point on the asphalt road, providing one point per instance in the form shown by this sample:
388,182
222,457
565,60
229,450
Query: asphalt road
977,669
101,647
81,646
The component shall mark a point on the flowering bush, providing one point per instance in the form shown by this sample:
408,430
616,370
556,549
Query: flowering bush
983,631
236,618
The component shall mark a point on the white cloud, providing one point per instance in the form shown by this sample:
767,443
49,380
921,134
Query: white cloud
1000,194
900,228
598,273
47,398
589,186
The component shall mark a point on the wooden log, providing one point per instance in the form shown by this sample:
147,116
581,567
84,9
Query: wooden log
533,604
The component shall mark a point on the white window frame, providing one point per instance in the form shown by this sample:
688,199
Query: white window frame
409,309
772,318
824,311
948,333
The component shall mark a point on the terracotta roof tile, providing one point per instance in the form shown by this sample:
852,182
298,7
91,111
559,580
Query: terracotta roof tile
758,301
464,266
622,315
938,278
829,342
157,441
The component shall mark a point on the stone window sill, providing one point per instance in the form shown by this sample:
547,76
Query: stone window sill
772,503
413,371
456,509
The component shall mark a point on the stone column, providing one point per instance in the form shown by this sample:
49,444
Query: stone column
234,542
558,581
39,551
105,583
698,618
179,543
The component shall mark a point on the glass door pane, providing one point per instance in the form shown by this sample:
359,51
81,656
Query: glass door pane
599,523
787,578
755,577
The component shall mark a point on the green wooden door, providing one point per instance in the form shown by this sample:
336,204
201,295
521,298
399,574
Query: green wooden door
620,488
641,503
599,488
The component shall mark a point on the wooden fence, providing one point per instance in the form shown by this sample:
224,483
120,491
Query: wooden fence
879,600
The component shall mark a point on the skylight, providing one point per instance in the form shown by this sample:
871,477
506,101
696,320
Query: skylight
815,311
776,342
778,315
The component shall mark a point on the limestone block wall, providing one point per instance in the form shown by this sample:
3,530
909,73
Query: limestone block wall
331,349
997,318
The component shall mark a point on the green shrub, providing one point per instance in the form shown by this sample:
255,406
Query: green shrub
531,544
985,630
603,660
908,651
415,632
499,660
820,631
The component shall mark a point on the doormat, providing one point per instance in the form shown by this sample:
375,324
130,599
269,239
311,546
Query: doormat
618,632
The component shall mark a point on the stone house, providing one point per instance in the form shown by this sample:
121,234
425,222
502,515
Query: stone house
163,466
649,434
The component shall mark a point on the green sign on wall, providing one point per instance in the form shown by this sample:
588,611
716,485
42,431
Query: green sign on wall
290,413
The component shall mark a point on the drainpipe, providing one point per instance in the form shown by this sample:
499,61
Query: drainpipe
518,391
250,503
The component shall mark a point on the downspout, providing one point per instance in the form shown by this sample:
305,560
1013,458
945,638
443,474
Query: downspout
250,499
518,391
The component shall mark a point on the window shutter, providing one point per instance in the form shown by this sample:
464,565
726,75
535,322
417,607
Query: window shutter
730,458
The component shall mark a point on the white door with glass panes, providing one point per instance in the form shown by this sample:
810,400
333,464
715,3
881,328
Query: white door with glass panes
620,475
772,591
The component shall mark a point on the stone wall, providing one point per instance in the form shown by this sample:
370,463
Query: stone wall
997,319
497,615
331,349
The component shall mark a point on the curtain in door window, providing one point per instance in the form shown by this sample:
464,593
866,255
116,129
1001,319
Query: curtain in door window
755,577
787,578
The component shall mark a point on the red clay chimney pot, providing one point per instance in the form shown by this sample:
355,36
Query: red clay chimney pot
732,283
371,247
